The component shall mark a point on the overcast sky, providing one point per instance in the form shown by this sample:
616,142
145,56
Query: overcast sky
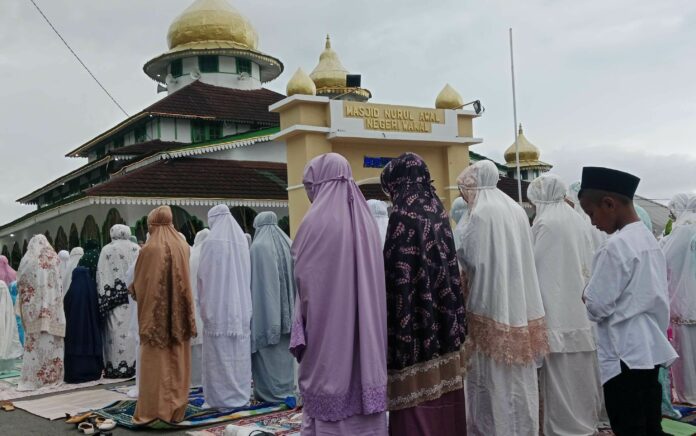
599,83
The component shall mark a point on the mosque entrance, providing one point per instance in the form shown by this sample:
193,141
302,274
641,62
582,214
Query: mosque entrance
368,135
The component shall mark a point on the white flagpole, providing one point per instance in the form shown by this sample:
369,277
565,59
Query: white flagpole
514,112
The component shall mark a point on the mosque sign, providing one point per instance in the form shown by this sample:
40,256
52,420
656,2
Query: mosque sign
394,118
369,135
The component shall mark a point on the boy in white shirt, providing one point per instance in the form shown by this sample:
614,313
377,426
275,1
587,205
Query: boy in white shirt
627,298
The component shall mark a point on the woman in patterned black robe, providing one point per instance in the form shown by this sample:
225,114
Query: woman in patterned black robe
115,258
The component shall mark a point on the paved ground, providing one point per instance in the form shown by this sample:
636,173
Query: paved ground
21,423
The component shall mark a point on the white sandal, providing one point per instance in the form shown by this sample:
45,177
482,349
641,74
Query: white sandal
86,428
106,425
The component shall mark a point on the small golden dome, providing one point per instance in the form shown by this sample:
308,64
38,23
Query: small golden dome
300,83
212,20
528,151
329,72
448,98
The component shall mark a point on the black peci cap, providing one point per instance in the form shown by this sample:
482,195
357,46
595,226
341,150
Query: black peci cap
607,179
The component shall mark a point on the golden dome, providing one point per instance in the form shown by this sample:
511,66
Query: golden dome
329,72
529,153
300,83
211,20
448,98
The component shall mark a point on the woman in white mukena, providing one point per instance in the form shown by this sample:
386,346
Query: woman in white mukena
505,313
680,251
563,253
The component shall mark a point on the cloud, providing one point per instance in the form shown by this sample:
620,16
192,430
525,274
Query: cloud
612,77
661,176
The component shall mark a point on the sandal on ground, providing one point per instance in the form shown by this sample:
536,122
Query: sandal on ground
106,425
7,407
81,417
86,428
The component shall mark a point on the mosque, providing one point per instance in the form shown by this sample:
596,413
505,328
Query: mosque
218,137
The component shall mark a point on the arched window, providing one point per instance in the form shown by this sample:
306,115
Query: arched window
113,217
74,239
6,252
185,223
245,218
284,224
16,256
90,230
61,242
47,234
25,247
141,229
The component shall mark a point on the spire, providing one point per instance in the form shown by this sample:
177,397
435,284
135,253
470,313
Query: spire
300,83
329,72
448,98
520,132
330,77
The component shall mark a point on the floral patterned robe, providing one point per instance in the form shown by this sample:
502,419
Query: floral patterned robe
41,308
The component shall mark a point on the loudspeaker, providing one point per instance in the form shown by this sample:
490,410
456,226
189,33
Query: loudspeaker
353,80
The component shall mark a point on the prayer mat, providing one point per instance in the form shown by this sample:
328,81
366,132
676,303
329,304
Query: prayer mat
688,413
669,426
13,373
8,391
195,416
56,406
677,428
278,423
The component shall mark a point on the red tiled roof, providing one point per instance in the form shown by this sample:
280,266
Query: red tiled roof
215,178
200,178
509,186
149,147
201,100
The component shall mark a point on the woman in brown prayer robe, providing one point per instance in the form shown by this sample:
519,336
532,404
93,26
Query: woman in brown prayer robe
166,321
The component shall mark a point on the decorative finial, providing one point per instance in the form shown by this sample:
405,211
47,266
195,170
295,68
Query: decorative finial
328,41
301,83
448,98
520,131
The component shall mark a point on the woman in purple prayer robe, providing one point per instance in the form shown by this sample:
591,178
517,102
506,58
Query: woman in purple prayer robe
339,332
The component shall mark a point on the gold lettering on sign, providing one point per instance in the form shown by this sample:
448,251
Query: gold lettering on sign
395,118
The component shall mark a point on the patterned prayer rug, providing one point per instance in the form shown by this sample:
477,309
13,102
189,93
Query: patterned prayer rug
688,413
122,412
285,423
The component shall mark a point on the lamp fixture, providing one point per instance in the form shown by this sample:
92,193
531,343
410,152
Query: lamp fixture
478,107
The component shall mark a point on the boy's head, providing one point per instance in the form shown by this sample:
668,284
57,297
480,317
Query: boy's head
606,196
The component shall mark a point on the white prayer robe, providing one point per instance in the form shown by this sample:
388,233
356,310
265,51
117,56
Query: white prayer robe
197,342
224,294
380,213
10,347
680,251
75,256
563,252
64,258
505,314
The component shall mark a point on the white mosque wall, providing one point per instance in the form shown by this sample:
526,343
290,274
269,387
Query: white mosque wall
271,151
175,130
226,77
66,216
